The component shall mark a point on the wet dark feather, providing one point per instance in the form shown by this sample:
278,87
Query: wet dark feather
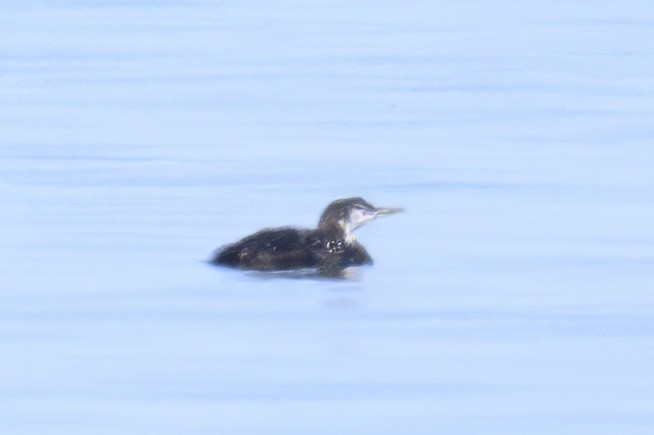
290,248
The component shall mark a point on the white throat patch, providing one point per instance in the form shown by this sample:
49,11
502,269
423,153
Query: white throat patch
347,230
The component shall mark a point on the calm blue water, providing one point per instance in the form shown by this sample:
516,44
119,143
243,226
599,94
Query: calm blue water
515,295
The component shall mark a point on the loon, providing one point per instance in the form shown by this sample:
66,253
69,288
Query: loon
329,249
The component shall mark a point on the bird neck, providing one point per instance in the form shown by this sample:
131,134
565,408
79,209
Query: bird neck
338,229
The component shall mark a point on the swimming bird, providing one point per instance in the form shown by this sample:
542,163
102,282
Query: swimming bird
330,248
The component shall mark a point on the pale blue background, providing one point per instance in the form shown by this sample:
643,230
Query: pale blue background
515,295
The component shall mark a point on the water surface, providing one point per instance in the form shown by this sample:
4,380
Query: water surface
513,296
